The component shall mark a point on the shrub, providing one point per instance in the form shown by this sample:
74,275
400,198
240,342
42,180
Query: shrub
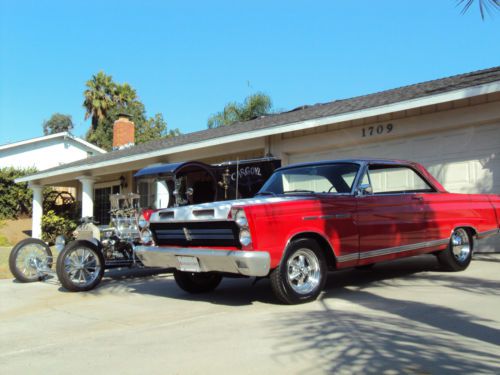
15,199
54,225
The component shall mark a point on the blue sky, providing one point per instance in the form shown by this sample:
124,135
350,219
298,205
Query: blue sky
188,59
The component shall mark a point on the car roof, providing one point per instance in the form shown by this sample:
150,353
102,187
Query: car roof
349,161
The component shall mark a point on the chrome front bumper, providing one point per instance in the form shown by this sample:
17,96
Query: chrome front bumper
248,263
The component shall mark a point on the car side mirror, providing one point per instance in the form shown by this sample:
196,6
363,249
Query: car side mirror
365,189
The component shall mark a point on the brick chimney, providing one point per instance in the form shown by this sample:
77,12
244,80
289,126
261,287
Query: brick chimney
123,132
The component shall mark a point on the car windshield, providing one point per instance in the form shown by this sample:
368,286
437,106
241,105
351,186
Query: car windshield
327,178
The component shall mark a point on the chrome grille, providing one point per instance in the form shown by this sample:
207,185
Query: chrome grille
212,233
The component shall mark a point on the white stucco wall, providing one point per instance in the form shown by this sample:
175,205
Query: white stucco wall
43,155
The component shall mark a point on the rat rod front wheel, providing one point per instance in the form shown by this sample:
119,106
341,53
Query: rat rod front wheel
80,266
302,273
30,260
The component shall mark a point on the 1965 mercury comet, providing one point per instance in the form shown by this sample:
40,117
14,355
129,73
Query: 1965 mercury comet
311,218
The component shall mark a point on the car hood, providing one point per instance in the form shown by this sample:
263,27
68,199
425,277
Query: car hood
214,210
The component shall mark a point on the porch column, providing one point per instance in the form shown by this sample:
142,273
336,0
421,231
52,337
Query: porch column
37,211
87,195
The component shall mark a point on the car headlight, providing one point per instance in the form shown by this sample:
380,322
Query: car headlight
143,223
146,236
59,244
239,217
245,237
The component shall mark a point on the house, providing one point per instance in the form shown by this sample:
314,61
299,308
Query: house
46,152
450,125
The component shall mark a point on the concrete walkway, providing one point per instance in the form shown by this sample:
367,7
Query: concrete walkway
403,317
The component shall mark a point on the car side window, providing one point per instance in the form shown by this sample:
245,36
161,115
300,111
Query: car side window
306,182
395,179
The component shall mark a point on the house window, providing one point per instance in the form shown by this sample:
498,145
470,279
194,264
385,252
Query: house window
147,190
102,204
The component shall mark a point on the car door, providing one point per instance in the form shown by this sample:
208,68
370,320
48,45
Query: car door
391,218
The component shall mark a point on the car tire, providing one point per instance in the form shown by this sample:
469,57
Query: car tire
195,282
27,270
80,266
302,273
458,254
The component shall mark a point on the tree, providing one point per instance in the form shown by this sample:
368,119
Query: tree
255,105
100,96
484,5
102,135
154,128
105,99
57,123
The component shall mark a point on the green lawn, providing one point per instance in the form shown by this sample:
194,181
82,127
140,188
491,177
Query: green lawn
4,263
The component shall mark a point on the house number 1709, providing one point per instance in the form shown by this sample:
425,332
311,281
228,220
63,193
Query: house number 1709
377,130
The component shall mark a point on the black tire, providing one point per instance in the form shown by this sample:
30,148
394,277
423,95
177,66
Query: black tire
194,282
282,282
80,266
31,272
458,254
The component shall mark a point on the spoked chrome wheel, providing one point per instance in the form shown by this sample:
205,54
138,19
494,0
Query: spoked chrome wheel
301,274
80,266
458,254
30,260
460,245
303,271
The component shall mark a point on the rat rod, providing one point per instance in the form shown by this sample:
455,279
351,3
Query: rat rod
81,263
311,218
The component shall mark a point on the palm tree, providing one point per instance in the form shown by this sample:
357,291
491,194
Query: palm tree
255,105
484,5
124,94
99,97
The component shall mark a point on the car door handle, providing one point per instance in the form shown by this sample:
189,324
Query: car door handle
417,198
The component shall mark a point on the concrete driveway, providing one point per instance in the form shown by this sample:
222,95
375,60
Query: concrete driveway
401,317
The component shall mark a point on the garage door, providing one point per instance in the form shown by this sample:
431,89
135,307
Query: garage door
464,161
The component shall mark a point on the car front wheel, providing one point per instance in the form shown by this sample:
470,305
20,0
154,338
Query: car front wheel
302,273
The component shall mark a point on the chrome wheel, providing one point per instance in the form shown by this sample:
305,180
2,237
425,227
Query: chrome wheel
82,266
33,261
303,271
460,245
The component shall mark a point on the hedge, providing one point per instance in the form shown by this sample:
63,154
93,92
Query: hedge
15,199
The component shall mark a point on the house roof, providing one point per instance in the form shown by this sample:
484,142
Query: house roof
406,97
63,135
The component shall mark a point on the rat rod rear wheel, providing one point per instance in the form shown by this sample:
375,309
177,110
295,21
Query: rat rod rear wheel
30,260
194,282
80,266
458,254
302,273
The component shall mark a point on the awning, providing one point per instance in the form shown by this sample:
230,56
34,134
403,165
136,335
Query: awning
159,169
171,169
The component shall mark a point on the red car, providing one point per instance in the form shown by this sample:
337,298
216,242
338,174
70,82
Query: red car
310,218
